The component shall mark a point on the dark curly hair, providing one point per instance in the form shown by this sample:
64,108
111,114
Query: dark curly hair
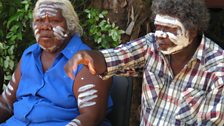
192,13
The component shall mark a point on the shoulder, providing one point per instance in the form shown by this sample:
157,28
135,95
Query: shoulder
78,44
212,50
213,55
75,44
31,49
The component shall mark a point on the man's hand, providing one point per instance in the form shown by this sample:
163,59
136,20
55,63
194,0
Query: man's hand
94,60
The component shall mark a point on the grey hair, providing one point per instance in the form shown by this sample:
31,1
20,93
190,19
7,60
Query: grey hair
192,13
68,13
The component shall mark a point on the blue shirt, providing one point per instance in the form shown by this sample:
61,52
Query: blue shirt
46,98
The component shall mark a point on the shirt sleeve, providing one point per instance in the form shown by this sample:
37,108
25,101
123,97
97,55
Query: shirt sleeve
127,59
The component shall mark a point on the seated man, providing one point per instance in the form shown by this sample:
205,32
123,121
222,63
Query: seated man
182,69
40,93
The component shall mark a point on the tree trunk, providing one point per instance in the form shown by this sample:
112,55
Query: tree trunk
133,16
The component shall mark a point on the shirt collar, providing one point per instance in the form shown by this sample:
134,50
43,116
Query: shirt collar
71,48
199,53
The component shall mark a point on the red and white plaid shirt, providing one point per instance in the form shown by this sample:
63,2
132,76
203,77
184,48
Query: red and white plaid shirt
195,96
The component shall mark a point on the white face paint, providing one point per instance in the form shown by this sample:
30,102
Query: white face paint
74,122
181,40
49,10
86,94
59,33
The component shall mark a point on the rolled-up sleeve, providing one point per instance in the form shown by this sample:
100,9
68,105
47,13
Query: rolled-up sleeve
127,59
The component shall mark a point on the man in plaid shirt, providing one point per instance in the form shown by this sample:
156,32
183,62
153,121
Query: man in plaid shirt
183,71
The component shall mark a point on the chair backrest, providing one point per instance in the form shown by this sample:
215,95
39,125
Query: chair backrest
121,93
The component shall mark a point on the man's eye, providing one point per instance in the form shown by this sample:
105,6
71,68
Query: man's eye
38,20
157,27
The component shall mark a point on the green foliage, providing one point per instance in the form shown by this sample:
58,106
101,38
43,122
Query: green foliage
99,29
15,18
16,33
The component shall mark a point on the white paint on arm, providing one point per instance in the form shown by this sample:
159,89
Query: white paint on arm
5,104
86,94
74,122
86,87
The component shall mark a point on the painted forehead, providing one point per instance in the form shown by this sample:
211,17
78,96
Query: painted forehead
169,21
48,9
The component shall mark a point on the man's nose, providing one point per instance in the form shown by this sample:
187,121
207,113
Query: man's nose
46,25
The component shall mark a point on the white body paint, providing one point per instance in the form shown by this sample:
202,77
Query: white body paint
7,107
181,40
10,87
13,78
3,106
86,87
74,122
7,91
86,94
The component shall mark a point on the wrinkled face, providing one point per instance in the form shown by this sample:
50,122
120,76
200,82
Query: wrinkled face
171,35
50,27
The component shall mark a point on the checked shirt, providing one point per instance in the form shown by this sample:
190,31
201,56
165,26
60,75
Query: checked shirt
195,96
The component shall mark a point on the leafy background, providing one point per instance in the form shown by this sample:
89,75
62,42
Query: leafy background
16,33
132,15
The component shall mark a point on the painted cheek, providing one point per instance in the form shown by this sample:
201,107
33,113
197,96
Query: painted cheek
59,33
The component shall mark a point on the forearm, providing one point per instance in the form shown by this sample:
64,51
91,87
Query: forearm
126,60
85,120
6,102
5,111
